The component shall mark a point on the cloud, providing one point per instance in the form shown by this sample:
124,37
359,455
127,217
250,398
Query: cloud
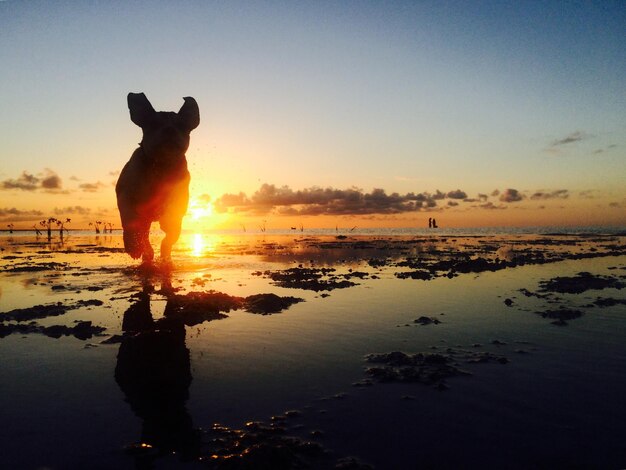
458,194
558,194
609,147
25,182
576,136
588,194
13,211
204,198
495,192
78,210
490,205
91,187
328,201
15,215
49,182
511,195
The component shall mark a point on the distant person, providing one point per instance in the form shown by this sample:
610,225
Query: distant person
430,222
435,224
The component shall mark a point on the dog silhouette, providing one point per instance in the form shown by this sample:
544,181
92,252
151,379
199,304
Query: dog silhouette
154,184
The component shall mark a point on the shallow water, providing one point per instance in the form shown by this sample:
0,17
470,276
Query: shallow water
557,402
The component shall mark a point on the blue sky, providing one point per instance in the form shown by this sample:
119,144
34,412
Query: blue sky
404,96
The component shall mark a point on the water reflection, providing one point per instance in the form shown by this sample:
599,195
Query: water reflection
154,373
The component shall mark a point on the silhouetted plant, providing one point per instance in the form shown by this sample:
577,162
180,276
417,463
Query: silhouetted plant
61,225
96,224
47,223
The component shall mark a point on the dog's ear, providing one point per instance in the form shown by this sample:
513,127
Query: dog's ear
190,113
140,109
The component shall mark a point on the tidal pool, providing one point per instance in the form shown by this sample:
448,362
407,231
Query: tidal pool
108,365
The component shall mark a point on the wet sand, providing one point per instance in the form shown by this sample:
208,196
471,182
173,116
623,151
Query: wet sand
314,352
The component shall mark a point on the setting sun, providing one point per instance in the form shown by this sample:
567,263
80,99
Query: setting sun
199,210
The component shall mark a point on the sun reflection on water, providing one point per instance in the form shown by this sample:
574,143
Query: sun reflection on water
200,245
197,245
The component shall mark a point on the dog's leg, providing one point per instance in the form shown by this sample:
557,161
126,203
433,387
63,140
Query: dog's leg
148,252
172,227
136,241
172,219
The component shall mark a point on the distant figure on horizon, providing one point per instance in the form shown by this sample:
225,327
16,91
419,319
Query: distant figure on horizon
154,184
435,223
430,222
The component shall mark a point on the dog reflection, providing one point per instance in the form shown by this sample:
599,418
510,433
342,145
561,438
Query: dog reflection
153,371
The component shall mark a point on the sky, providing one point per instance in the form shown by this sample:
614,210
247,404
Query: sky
323,114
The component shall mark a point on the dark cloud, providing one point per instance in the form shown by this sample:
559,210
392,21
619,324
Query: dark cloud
453,203
91,187
49,182
482,197
458,194
25,181
571,138
609,147
13,211
328,201
16,215
490,205
438,195
558,194
588,194
511,195
78,210
495,192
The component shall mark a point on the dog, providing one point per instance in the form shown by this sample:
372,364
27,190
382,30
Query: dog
154,184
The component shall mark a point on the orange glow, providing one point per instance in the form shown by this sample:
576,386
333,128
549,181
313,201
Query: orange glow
198,211
201,245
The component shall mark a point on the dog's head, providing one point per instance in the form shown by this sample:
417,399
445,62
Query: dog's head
165,134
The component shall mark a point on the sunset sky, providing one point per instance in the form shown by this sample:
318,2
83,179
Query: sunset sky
323,113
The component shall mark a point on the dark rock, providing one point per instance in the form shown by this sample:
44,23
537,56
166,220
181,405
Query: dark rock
194,308
609,302
268,303
35,312
315,279
420,274
425,368
562,314
580,283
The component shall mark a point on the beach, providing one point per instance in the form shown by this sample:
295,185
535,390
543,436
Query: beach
302,350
